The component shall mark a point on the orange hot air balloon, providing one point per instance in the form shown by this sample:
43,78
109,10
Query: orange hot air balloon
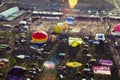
72,3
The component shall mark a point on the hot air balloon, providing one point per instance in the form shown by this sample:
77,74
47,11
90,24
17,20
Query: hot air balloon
15,78
70,20
74,42
49,64
35,46
39,38
17,70
52,38
58,28
72,3
74,64
23,56
16,73
4,60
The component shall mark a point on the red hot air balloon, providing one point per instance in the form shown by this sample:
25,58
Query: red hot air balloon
39,37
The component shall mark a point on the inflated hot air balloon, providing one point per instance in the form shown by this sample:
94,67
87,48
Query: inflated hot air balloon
58,28
72,3
52,38
39,37
70,20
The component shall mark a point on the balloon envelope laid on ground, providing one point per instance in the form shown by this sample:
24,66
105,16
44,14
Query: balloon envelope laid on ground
23,56
72,3
15,78
39,37
117,27
70,20
74,42
17,70
73,64
34,46
94,42
16,73
4,60
49,64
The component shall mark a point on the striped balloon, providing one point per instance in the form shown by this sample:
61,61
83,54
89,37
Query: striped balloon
39,37
52,38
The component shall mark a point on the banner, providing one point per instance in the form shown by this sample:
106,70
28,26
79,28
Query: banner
101,70
106,62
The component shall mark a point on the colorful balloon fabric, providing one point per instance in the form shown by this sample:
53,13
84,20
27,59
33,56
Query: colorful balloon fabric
36,46
23,56
49,64
17,70
60,27
52,38
74,64
39,37
72,3
15,78
117,27
70,20
74,42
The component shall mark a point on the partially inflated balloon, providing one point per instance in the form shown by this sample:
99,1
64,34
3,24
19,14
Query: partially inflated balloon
39,37
72,3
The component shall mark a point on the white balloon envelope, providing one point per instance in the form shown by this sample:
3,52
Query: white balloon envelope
23,56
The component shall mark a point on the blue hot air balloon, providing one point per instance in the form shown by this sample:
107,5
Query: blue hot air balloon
70,20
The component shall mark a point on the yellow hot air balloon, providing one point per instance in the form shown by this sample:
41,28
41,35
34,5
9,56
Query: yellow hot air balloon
58,28
72,3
